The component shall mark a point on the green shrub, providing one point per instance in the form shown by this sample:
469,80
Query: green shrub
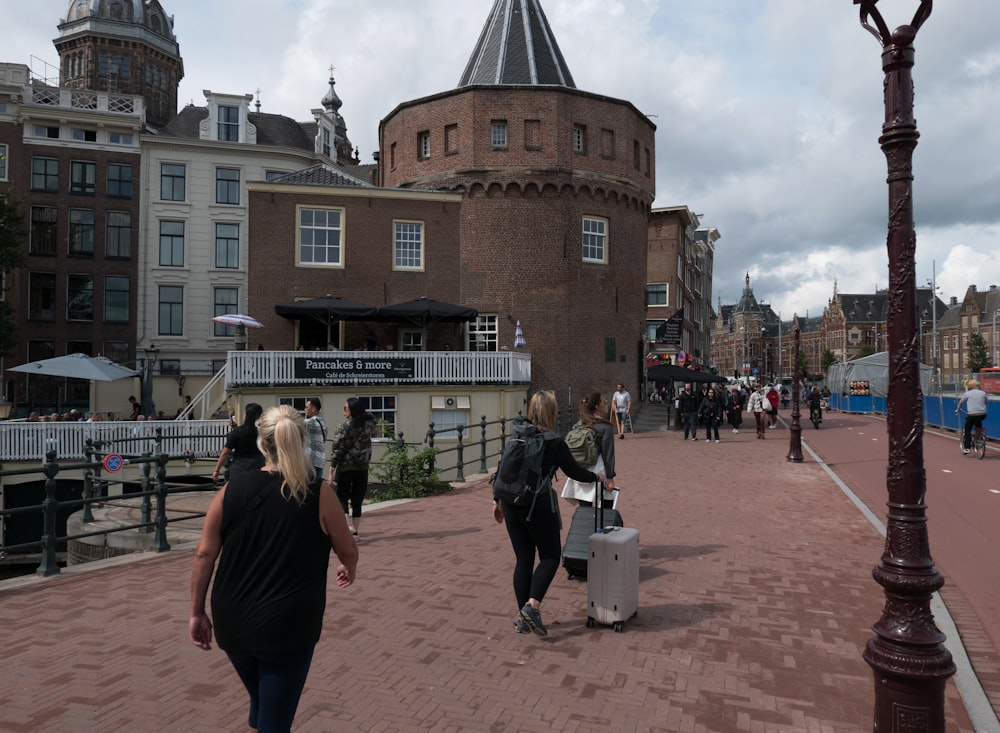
405,476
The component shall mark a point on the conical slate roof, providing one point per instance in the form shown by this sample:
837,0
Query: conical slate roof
517,47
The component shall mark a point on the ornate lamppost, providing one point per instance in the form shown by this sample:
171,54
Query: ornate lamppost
907,654
795,429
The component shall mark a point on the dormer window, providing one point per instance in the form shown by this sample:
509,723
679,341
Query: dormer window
326,142
229,124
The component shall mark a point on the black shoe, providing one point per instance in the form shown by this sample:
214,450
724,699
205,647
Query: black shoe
521,627
533,619
621,436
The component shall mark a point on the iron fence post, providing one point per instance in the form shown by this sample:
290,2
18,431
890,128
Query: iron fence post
160,543
145,506
50,508
460,473
88,480
482,443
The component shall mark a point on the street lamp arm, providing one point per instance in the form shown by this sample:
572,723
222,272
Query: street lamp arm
870,14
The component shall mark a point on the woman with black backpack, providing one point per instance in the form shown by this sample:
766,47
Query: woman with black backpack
534,527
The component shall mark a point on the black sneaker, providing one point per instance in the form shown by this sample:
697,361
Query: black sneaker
521,627
533,619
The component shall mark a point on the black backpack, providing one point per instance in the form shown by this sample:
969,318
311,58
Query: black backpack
520,477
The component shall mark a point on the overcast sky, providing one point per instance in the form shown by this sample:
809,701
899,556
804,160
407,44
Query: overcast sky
768,112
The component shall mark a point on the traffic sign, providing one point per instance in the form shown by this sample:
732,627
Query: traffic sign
113,462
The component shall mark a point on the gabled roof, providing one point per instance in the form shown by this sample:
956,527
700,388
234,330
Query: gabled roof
322,174
516,46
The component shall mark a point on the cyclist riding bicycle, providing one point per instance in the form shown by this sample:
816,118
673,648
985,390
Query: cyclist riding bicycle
815,404
975,401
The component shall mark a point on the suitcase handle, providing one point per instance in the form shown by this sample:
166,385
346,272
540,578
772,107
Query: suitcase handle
599,506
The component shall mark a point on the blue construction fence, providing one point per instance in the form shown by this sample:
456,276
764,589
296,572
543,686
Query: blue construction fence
939,410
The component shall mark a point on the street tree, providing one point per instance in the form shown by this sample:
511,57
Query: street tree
977,356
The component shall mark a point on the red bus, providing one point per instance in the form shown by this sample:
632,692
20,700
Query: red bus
989,380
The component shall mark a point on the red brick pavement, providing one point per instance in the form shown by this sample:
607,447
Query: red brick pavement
755,604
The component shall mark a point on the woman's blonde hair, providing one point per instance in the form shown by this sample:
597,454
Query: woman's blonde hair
972,384
281,435
542,410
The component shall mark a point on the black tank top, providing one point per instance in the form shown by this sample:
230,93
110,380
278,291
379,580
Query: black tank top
270,588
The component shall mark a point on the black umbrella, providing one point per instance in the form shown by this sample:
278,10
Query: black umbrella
670,372
328,310
425,311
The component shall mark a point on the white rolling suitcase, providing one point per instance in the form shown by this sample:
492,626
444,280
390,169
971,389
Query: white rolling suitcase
613,576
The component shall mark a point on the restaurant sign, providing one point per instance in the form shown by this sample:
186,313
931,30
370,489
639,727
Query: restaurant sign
338,369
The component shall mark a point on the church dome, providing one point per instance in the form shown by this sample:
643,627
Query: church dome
147,13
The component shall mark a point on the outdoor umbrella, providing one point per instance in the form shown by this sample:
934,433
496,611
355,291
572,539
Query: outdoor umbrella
425,311
328,310
519,341
78,366
238,319
671,372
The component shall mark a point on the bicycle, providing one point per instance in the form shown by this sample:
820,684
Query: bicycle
979,442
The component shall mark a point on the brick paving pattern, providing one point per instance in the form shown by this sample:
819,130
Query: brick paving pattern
755,604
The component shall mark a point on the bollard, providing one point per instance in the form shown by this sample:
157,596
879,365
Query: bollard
145,506
460,466
430,443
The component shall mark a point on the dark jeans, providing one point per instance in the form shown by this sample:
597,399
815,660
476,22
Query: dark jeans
711,424
352,486
275,685
541,534
690,422
972,422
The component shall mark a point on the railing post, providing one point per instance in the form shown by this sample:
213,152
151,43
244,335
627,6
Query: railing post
460,474
88,480
160,543
401,445
145,506
503,434
50,508
482,443
430,443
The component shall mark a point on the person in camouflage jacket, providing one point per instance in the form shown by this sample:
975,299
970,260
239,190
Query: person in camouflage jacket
350,457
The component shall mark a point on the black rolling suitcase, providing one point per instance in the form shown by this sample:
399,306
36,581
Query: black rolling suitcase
576,551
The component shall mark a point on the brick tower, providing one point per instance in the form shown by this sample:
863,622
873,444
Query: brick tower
123,47
558,185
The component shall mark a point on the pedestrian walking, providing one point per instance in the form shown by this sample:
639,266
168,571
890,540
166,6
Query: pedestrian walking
759,405
710,412
687,404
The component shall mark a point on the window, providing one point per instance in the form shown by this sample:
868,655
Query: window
532,134
170,366
116,351
171,310
119,180
656,294
608,144
226,302
49,132
483,334
172,182
172,243
595,233
227,245
423,144
383,408
635,154
320,237
392,156
219,364
447,420
326,141
229,124
118,234
83,177
271,175
498,136
89,136
81,232
42,296
579,139
120,138
954,342
79,297
227,186
411,340
450,139
408,245
44,227
4,152
45,175
116,296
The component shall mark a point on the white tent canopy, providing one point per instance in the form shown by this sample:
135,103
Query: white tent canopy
873,369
